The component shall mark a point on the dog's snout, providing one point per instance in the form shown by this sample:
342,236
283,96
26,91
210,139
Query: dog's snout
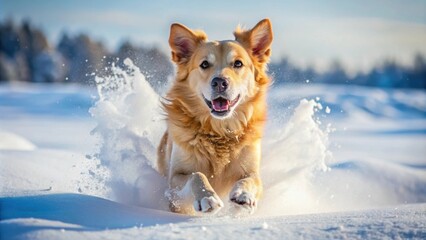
219,84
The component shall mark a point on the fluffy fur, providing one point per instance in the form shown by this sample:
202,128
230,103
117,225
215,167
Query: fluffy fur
210,155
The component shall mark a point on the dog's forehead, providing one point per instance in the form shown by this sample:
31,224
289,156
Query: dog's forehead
226,50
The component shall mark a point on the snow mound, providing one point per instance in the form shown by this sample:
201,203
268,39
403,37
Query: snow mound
11,141
44,171
98,212
60,216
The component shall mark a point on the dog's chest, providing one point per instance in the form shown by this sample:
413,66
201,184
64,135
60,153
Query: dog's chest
219,151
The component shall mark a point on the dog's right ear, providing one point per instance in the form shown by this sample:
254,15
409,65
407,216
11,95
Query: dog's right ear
183,42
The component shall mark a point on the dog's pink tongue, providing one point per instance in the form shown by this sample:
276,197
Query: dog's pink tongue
220,104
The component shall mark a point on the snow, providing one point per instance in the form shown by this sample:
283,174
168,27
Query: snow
59,216
338,162
12,141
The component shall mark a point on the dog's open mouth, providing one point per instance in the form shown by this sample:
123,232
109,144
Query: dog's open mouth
221,106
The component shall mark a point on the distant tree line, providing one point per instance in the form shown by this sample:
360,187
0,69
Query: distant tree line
388,74
27,55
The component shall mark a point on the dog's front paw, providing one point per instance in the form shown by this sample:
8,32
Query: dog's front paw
243,199
211,204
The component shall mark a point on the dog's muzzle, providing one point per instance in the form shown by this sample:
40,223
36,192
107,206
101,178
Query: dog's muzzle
221,106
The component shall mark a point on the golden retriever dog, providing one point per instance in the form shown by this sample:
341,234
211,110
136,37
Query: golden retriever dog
215,111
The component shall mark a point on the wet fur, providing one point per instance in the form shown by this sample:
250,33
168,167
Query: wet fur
215,154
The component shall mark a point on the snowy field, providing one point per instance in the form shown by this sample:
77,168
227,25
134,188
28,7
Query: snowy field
338,162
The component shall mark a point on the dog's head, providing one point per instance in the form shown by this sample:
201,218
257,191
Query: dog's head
222,74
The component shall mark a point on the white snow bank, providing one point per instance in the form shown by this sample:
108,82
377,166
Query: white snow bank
71,216
98,212
45,171
11,141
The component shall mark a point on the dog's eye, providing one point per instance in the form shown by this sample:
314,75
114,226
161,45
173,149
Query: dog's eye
238,64
205,65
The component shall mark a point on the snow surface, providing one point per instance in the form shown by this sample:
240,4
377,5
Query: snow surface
338,162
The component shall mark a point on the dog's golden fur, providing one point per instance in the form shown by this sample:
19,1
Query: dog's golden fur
206,157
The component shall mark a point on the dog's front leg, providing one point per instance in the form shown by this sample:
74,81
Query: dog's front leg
195,188
248,189
246,193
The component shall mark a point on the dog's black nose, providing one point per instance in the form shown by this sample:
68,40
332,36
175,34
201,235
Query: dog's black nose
219,84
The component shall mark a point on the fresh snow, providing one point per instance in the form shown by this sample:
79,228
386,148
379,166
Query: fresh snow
337,162
74,216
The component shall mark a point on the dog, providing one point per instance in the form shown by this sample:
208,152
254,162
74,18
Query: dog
215,112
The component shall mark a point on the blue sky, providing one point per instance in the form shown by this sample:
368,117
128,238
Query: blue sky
359,33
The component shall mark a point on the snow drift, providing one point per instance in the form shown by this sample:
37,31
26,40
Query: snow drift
326,149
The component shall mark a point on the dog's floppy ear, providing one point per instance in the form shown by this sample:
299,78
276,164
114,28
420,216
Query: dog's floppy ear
183,42
257,40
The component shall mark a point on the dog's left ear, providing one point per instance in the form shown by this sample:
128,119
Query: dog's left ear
257,40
